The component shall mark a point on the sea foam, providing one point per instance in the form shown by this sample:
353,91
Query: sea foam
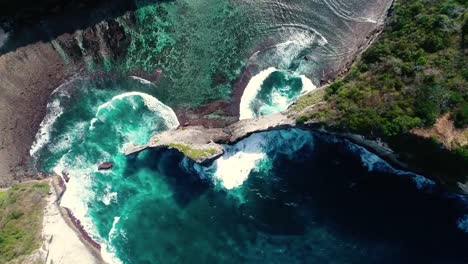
151,102
280,102
233,168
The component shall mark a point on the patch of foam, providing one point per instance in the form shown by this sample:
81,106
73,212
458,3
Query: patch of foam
252,154
109,196
280,102
151,102
78,193
297,40
113,230
422,182
234,167
54,111
251,91
307,85
374,163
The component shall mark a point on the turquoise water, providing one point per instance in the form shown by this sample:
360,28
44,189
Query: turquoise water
272,91
274,197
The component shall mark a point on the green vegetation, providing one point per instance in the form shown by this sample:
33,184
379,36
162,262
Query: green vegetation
21,215
309,99
415,72
193,153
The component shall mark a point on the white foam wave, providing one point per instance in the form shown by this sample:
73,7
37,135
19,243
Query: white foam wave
109,196
54,110
113,230
233,168
280,102
297,40
307,85
251,91
151,102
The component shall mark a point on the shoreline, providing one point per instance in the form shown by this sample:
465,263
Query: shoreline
93,247
62,238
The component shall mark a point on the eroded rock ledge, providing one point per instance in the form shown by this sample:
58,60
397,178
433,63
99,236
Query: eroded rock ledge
204,144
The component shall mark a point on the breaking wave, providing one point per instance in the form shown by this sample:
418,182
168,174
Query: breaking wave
233,168
272,91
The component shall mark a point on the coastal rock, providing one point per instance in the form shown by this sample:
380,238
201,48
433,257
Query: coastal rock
105,166
203,144
66,176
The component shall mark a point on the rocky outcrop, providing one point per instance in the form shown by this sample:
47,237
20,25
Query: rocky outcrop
105,166
203,144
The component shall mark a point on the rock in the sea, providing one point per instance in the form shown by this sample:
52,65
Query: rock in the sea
105,166
66,176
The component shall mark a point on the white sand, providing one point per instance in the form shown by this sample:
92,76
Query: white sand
61,242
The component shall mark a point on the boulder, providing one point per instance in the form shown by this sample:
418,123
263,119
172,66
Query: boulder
105,166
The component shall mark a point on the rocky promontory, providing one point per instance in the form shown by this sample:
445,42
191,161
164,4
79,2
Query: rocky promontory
203,144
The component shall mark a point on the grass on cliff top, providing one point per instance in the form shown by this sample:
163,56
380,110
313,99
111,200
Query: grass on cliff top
21,217
310,99
193,153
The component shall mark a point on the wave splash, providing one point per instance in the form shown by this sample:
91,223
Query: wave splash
272,91
233,168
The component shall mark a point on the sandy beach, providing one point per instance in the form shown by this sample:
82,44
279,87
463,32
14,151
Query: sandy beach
62,241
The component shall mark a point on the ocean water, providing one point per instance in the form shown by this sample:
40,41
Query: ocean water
287,196
275,197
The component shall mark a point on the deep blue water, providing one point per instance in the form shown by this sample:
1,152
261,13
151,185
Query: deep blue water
317,205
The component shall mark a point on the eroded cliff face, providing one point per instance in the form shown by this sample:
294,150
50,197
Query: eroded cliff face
104,39
29,72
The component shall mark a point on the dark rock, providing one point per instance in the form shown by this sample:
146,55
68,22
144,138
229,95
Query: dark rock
105,166
66,176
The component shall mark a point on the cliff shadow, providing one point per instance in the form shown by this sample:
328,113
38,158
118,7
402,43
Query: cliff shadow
26,22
